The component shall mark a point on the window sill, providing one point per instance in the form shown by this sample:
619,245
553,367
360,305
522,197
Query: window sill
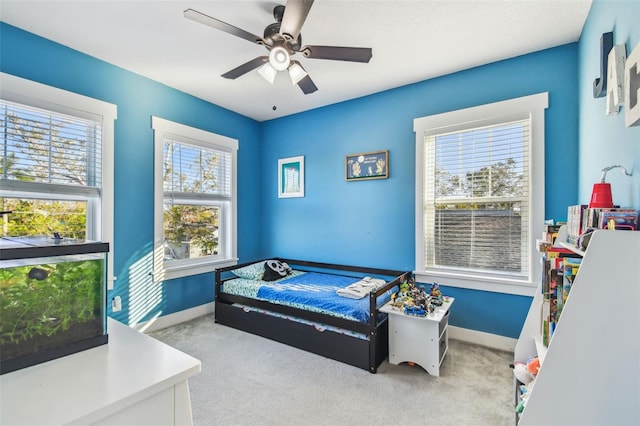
181,271
482,283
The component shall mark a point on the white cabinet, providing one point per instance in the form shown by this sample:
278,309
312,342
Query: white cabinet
590,372
420,340
132,380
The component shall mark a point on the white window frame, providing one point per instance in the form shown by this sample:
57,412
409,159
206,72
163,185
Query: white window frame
532,106
228,215
27,92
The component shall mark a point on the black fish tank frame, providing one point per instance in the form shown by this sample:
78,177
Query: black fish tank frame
52,299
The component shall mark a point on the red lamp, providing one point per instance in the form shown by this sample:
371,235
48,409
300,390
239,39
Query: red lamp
601,195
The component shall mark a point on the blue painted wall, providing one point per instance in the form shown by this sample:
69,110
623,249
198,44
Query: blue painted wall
604,140
29,56
367,222
372,222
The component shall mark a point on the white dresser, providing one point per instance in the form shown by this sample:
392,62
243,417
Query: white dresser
132,380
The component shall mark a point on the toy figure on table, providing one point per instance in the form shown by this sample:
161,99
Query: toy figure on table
436,294
414,300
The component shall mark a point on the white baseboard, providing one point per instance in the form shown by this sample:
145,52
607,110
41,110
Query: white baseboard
489,340
165,321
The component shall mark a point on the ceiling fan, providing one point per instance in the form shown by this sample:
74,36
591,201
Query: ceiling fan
283,40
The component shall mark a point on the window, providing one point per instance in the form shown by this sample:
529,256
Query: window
480,195
56,163
195,200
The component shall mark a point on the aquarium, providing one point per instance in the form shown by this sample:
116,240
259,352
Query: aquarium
52,299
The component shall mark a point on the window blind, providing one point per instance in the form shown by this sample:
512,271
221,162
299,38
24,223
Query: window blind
192,172
476,198
44,147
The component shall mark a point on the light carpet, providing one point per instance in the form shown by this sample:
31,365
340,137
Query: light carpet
250,380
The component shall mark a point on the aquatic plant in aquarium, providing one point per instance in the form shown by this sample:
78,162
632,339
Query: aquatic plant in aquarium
50,307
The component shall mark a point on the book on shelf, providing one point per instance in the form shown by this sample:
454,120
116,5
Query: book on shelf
575,216
600,218
555,299
570,266
544,316
546,274
550,232
560,266
555,251
591,218
624,219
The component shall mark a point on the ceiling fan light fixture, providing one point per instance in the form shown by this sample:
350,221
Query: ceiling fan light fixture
296,72
268,73
283,40
279,58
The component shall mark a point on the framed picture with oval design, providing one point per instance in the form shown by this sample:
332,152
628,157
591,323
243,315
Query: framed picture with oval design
367,165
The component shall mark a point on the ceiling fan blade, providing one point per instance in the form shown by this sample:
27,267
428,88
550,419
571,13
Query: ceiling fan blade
295,13
307,85
351,54
246,67
222,26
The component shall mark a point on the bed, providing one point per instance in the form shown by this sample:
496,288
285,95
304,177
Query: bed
347,329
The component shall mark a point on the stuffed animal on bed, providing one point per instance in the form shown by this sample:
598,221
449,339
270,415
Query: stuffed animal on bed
274,270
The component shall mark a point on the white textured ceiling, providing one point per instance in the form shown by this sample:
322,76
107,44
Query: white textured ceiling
411,41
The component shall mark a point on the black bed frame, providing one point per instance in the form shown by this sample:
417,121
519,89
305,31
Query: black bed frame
366,354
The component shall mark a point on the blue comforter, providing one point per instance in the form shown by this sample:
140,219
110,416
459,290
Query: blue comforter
317,292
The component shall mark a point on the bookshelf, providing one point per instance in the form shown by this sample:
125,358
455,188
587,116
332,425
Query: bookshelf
590,371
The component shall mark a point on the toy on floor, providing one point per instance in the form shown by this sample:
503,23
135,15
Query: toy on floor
525,391
526,372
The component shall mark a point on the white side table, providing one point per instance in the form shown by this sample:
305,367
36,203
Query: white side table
419,340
